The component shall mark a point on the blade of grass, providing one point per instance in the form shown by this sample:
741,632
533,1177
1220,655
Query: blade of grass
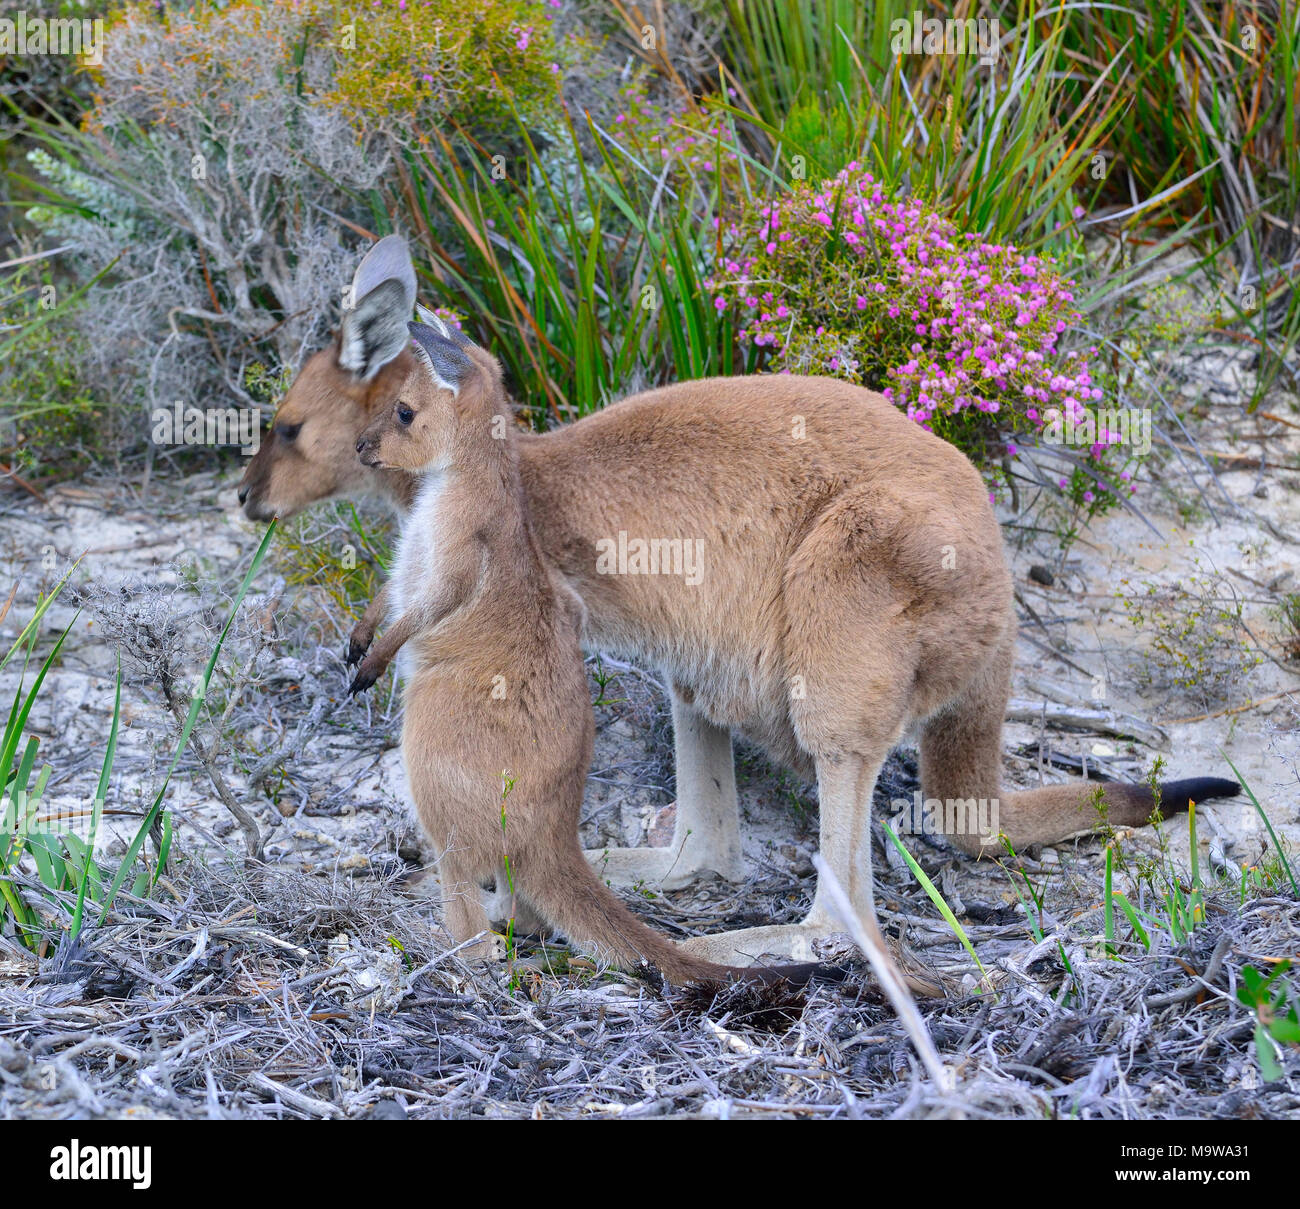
935,897
128,859
1277,847
97,811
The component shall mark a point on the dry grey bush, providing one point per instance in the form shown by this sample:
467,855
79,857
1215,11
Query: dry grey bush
165,634
1198,644
275,702
220,190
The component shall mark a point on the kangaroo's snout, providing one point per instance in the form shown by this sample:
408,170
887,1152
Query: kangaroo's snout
251,491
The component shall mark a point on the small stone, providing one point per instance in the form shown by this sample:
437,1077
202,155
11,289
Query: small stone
661,829
1041,575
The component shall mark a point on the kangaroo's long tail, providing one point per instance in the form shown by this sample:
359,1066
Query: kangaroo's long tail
563,887
1050,814
961,759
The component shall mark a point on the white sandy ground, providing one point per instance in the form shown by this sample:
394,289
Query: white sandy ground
194,522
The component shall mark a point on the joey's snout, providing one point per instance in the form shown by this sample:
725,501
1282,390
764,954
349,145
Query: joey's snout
368,451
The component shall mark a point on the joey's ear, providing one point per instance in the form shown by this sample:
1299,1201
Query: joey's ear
449,331
444,358
430,319
374,331
387,260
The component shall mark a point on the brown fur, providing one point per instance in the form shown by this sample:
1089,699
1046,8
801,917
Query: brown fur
495,684
853,586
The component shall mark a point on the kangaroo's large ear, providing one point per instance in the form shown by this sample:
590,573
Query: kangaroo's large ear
374,331
383,293
387,260
444,358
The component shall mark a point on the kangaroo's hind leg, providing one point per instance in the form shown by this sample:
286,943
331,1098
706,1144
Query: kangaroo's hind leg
851,653
506,905
706,833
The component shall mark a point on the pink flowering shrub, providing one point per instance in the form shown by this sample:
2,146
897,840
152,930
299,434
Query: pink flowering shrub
961,333
690,142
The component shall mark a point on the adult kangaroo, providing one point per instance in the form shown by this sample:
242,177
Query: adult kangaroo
847,583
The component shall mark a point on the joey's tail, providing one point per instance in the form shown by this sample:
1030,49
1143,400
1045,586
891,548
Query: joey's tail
565,889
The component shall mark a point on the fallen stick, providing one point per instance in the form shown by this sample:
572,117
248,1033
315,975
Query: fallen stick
1104,721
293,1097
1235,709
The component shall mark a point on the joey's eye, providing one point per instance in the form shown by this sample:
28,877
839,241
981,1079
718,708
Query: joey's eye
287,432
404,413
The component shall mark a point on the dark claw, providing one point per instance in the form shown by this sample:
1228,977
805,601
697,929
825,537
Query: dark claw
364,679
356,650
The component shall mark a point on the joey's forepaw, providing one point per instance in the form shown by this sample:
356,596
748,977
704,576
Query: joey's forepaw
365,678
358,645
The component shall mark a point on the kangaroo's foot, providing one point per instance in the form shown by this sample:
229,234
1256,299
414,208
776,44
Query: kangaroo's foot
501,910
669,868
748,946
745,946
706,832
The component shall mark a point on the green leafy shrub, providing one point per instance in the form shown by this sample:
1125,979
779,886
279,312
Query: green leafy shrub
1197,640
409,68
48,414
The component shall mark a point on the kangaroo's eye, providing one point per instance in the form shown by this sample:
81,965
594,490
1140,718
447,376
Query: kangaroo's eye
287,432
404,413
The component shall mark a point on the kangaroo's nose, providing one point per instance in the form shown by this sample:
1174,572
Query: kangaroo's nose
243,494
361,445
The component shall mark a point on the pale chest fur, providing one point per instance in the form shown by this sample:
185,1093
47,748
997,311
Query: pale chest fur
415,567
